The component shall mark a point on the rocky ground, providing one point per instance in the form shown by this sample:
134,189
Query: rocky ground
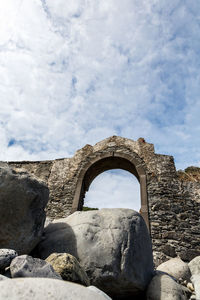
100,254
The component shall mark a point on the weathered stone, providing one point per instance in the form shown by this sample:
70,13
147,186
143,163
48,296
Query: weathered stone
98,291
27,266
176,268
194,266
190,254
68,267
187,292
45,289
163,287
22,216
6,256
170,235
169,250
112,245
196,282
190,286
159,257
2,277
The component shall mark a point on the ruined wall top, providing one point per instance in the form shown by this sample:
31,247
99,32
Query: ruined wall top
65,168
141,147
156,163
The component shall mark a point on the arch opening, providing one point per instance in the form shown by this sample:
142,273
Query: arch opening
113,189
105,162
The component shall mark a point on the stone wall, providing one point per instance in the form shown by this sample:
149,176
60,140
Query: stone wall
170,201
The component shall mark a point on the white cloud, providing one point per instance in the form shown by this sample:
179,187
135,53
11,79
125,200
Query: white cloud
74,72
114,189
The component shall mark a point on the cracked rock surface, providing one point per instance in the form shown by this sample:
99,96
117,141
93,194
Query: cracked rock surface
27,266
112,245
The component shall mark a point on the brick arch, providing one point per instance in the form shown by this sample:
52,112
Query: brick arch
107,161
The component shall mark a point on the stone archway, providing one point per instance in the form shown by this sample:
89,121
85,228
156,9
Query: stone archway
105,162
170,197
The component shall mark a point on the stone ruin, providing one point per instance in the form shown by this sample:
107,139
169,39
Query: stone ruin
170,200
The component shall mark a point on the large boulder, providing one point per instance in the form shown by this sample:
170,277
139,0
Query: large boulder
196,282
164,287
27,266
96,290
22,202
112,245
2,277
68,267
45,289
176,268
194,266
6,256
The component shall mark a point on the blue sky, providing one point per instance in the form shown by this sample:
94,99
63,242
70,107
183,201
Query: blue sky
75,72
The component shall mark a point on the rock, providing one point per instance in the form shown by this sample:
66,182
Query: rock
186,291
45,289
176,268
196,282
159,258
7,273
3,277
112,245
194,266
27,266
68,267
168,250
190,286
6,256
22,203
47,221
98,291
163,287
189,254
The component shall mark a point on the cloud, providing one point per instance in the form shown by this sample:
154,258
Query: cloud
74,72
114,189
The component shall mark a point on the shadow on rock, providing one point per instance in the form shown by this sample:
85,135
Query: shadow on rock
57,237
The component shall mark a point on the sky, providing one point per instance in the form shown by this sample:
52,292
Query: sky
78,71
114,188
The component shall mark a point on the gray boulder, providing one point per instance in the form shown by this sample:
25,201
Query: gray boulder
6,256
3,277
68,267
112,245
194,266
22,203
27,266
176,268
98,291
196,282
45,289
163,287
